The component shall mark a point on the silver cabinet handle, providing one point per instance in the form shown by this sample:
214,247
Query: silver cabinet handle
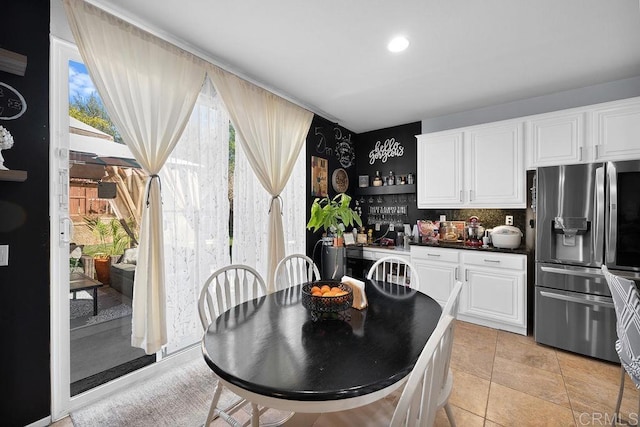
470,195
460,195
579,300
456,273
433,255
497,261
580,153
466,276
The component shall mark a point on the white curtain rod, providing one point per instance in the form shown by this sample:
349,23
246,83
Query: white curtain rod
170,38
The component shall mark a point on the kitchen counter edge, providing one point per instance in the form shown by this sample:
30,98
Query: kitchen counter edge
522,250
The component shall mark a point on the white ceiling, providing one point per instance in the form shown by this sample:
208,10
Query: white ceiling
330,56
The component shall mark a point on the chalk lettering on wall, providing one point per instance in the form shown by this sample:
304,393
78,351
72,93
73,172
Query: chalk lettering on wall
345,151
12,103
321,145
382,151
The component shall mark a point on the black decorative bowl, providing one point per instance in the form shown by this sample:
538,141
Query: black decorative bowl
332,307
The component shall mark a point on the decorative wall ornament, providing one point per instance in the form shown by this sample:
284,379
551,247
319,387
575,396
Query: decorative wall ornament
345,151
382,151
6,142
12,103
340,180
319,176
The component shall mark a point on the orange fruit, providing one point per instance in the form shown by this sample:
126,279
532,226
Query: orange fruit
325,288
315,289
339,294
316,293
336,289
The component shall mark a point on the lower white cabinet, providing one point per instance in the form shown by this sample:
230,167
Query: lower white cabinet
494,291
438,270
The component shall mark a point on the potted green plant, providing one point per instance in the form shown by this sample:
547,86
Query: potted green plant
113,240
333,216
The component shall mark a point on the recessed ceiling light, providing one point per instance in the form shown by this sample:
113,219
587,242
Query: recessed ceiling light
398,44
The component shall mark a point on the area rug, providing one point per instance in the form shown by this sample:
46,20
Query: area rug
110,306
179,397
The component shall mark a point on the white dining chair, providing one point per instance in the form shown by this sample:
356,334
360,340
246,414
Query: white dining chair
450,309
626,302
224,289
418,403
393,269
293,270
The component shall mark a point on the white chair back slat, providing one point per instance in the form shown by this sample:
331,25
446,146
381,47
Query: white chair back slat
294,270
396,270
227,288
418,403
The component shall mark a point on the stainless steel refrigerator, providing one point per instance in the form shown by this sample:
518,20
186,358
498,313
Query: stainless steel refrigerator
586,215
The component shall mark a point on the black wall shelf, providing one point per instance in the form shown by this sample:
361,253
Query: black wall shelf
13,175
386,189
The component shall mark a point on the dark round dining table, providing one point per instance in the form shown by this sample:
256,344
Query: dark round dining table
270,350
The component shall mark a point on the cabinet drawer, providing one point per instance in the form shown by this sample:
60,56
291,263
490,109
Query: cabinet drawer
493,260
435,254
375,254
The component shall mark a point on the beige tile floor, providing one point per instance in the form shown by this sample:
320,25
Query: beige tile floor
505,379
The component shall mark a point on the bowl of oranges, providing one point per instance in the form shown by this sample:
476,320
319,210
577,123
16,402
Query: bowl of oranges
326,296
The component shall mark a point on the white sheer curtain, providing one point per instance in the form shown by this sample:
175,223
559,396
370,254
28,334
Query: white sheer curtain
271,131
149,88
251,202
195,205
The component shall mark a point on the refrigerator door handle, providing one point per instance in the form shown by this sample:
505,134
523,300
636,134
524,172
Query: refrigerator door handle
569,272
580,300
598,235
610,236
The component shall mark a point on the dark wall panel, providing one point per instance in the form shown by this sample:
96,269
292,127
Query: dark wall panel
24,222
337,145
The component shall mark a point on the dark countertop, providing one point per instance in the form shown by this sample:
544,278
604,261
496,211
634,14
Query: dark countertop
522,250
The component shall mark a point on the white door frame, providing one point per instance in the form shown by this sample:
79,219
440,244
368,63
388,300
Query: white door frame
61,228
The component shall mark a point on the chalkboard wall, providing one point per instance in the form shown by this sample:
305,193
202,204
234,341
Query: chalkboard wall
330,142
24,223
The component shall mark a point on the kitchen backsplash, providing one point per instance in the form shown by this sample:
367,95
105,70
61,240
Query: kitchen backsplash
488,218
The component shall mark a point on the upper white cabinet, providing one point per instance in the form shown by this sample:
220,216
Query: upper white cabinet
480,166
556,139
440,163
617,130
595,133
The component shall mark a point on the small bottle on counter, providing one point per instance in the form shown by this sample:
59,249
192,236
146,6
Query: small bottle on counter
391,180
377,181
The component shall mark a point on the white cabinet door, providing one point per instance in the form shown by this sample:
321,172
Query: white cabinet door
436,279
494,163
439,173
495,296
438,270
617,130
556,139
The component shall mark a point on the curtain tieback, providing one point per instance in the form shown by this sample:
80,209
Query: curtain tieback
151,178
273,198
